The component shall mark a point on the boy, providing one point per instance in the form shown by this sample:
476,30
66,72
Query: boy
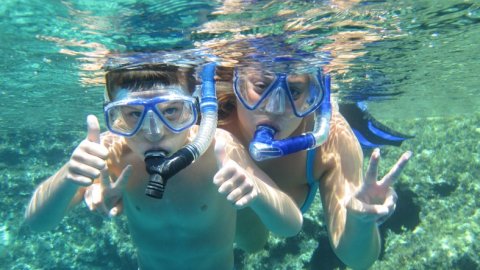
193,225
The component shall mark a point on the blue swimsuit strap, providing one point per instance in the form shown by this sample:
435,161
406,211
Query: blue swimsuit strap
312,183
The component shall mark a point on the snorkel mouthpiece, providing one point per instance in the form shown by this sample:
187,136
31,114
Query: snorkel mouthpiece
161,168
263,145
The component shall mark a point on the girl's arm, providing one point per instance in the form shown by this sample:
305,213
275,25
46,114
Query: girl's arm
354,205
245,185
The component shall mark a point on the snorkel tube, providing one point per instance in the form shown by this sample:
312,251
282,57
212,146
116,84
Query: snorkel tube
159,166
264,146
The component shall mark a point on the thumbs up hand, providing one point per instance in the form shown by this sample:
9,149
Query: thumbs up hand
87,163
89,158
233,181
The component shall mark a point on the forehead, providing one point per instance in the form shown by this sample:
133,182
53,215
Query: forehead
298,78
156,91
147,79
262,71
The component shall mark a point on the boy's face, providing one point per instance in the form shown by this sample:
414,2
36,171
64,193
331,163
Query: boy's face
165,140
154,119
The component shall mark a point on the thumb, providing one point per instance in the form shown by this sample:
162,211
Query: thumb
220,152
93,133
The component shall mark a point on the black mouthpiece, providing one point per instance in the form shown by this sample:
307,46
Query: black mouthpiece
156,186
162,168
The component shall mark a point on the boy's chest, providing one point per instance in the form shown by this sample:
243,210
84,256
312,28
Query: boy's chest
188,195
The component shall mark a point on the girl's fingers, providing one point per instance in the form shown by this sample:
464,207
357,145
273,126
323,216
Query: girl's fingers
394,173
372,171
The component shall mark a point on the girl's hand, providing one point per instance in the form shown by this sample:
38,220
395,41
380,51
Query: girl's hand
376,200
233,181
235,184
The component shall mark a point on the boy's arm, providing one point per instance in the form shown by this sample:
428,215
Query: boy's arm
53,197
51,200
245,185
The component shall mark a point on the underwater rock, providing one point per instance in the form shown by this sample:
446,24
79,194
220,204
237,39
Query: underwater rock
4,239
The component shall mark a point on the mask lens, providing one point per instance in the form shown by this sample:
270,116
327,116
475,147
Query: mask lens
306,93
177,114
251,86
124,119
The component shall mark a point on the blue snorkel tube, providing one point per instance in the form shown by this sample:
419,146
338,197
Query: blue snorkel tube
264,146
159,166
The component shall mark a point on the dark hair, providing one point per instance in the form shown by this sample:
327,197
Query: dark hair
148,76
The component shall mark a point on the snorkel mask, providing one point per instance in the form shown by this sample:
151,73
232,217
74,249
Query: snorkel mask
311,96
127,115
150,113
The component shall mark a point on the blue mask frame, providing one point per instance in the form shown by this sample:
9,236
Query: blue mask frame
280,81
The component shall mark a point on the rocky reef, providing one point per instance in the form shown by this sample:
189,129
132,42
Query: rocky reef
436,224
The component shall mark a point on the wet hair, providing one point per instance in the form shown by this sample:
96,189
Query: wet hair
227,102
149,76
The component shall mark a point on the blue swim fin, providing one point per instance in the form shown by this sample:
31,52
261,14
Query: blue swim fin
370,133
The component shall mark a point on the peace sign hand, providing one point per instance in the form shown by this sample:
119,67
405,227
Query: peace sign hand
376,200
106,196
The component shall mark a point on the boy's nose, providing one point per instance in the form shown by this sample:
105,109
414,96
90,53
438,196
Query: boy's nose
152,127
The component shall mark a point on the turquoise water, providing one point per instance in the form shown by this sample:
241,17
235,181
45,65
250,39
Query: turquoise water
414,63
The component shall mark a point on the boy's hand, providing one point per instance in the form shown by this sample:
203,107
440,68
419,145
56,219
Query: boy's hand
232,180
376,200
88,159
106,197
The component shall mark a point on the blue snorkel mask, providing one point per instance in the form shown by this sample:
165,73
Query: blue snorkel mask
271,95
126,116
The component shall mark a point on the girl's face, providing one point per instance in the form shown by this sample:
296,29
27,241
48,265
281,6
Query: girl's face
276,109
285,124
